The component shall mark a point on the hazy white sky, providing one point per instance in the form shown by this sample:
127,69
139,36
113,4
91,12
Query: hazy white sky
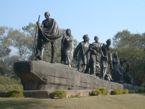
103,18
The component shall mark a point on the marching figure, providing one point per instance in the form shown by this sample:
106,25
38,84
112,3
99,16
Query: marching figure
67,48
47,32
81,54
106,61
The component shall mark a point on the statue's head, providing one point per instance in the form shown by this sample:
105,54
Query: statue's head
85,37
68,32
108,42
47,15
96,38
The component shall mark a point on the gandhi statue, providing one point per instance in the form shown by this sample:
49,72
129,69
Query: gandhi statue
47,32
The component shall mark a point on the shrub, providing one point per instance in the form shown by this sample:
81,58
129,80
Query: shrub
9,84
15,93
7,87
116,92
94,93
119,91
125,91
103,91
98,91
8,80
58,94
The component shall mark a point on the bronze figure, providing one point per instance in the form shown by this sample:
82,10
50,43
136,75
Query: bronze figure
47,32
67,48
81,54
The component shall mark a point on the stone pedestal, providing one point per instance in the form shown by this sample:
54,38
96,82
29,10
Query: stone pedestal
40,76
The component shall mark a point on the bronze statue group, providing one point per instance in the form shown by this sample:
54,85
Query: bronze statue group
94,59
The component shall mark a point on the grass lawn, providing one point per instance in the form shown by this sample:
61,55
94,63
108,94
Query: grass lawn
129,101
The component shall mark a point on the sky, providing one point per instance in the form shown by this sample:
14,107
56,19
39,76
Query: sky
103,18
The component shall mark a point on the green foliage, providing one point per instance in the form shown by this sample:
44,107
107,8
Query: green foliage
98,91
18,39
130,47
7,80
119,91
9,84
6,87
103,91
4,42
15,93
58,94
125,91
116,92
30,29
95,92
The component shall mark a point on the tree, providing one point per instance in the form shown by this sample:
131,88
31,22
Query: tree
4,42
4,50
131,48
